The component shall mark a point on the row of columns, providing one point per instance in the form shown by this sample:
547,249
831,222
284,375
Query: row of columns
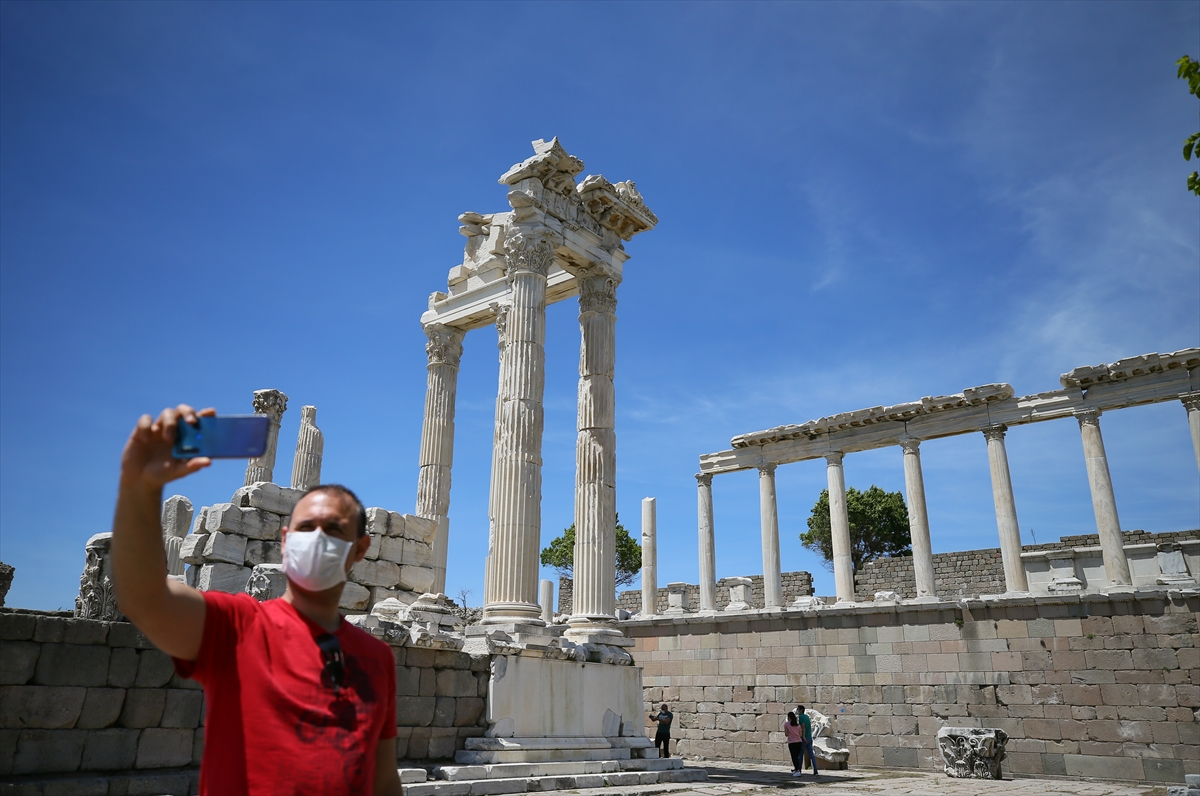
1104,506
511,569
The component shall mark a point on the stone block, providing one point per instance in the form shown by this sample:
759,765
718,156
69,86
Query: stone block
1170,624
101,708
229,578
377,521
1163,770
154,669
268,497
70,664
395,524
17,627
66,630
373,550
1155,659
421,529
124,634
18,660
354,596
376,573
225,548
49,751
468,711
408,681
198,746
1103,767
415,712
143,708
40,706
122,667
263,552
456,683
110,750
443,711
898,757
182,708
192,549
416,579
252,523
164,748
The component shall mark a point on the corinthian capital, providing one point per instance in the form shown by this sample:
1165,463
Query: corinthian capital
445,344
834,458
597,293
1088,417
992,433
910,445
528,252
271,403
1191,401
704,479
766,470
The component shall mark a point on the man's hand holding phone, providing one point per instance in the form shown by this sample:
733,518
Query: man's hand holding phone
148,459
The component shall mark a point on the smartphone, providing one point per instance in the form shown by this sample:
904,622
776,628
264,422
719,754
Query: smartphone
227,437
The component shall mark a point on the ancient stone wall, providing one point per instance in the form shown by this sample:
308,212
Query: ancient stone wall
1085,685
93,707
795,584
970,573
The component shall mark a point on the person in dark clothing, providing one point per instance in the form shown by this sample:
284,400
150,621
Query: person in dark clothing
794,731
807,743
662,737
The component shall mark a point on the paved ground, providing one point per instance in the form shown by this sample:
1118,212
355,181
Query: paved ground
750,780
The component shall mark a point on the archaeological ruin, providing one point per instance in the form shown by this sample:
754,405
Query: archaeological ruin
1076,658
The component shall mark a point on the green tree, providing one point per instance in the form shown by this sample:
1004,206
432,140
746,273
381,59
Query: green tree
878,526
560,554
1189,70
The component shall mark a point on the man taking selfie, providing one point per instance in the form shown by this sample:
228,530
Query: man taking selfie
297,700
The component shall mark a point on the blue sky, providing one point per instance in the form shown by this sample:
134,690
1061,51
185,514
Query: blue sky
859,204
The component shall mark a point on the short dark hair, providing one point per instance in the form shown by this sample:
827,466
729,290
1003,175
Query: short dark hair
345,492
800,708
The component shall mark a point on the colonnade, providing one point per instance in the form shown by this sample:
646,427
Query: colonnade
1104,505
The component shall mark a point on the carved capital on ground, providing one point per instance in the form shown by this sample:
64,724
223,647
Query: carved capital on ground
445,344
704,479
1191,401
597,293
271,403
834,458
1088,417
995,432
528,252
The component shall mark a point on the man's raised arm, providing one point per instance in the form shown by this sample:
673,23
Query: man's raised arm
170,613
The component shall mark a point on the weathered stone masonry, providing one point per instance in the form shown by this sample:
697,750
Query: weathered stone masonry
1086,685
795,584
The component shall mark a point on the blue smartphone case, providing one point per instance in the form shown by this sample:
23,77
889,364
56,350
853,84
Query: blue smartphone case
228,437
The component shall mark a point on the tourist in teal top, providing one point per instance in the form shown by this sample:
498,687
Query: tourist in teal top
806,723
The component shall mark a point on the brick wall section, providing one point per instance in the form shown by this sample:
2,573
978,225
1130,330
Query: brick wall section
795,584
971,573
1084,685
85,697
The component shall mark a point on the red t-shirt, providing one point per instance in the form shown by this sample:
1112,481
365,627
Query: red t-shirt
271,726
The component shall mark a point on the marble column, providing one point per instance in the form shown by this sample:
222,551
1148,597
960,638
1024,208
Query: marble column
1191,402
768,513
708,553
1104,501
1006,510
310,449
594,597
649,557
918,519
444,350
501,313
511,593
839,526
546,600
273,404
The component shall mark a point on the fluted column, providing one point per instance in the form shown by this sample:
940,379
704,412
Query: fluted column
918,519
517,475
594,597
768,513
310,449
273,404
649,557
1191,402
1104,501
708,555
1006,510
839,526
444,350
501,313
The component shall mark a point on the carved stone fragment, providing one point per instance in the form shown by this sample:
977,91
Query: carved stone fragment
972,753
310,447
266,582
96,599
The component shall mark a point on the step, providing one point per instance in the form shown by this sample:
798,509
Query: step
536,784
468,758
567,768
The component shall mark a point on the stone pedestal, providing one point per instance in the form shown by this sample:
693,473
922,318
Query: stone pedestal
444,351
768,509
649,558
708,555
677,599
594,596
918,519
1104,502
1006,510
739,594
1063,578
839,523
273,404
512,578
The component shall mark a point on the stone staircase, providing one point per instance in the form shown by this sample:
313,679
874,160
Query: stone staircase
498,778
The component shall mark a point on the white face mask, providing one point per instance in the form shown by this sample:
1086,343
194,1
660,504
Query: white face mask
314,560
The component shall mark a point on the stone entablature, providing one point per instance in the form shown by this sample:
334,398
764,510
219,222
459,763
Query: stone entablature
1089,686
